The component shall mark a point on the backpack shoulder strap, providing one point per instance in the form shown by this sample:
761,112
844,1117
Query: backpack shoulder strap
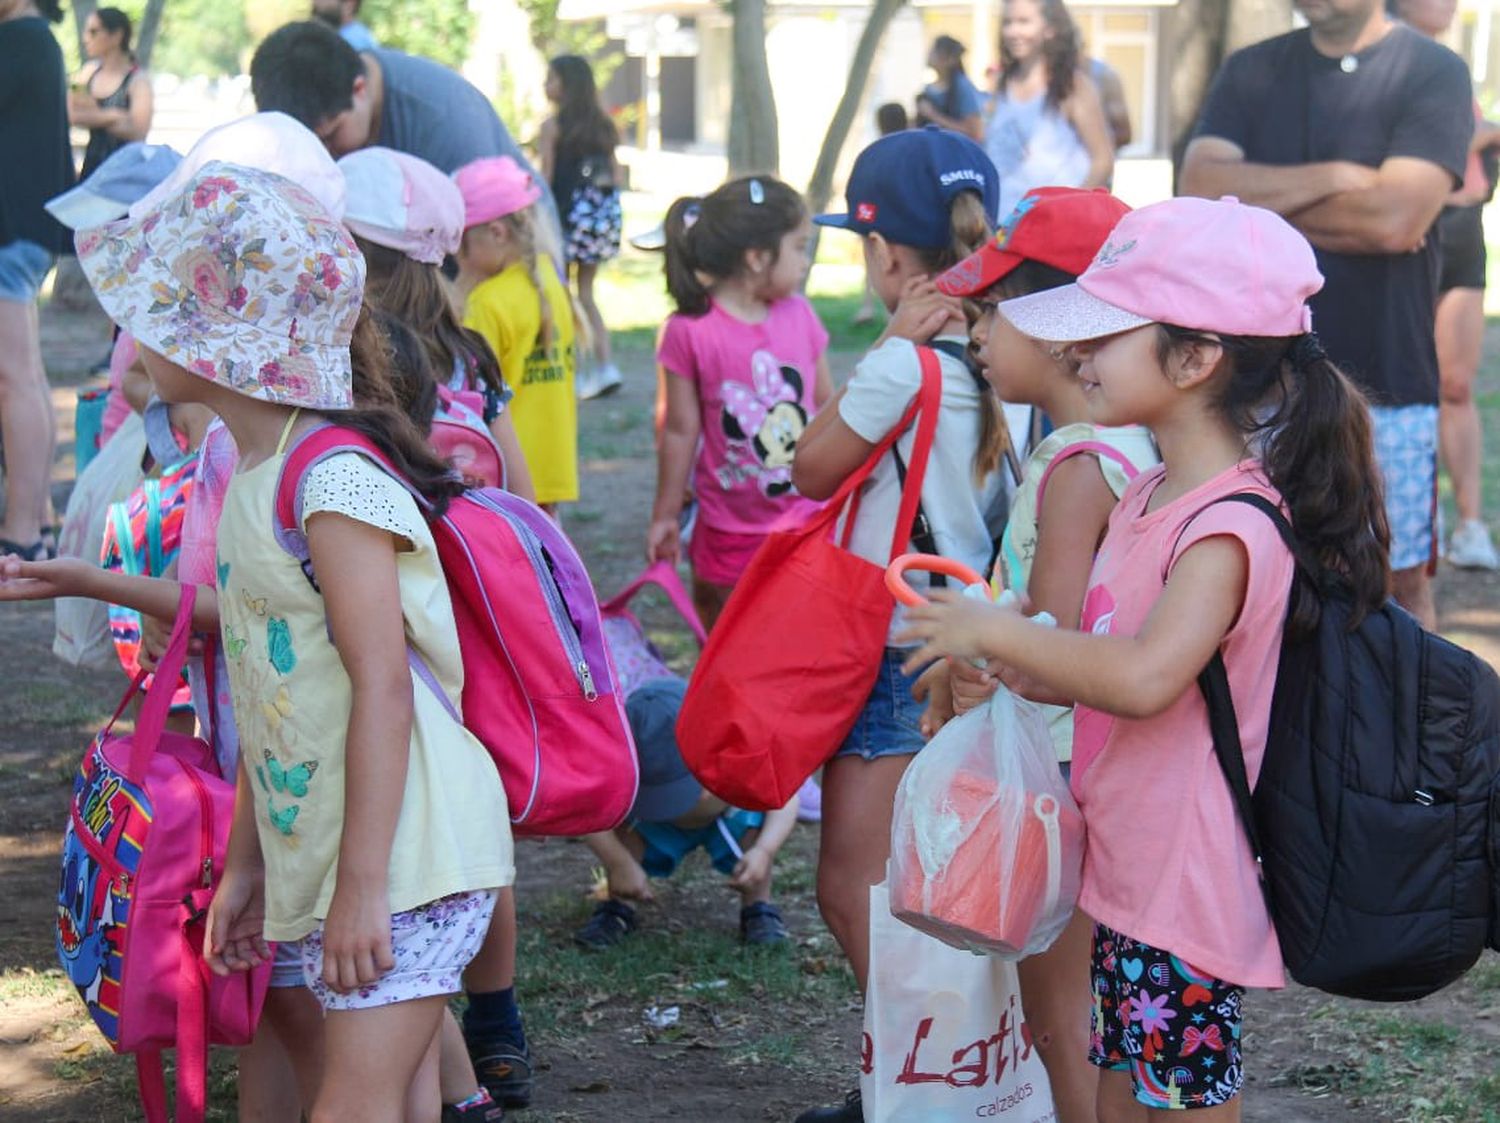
1095,448
1224,725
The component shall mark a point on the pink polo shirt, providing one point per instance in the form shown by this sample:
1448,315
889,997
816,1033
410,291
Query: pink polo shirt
1167,860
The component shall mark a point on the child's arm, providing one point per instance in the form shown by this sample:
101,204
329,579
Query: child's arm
827,452
627,880
676,447
1131,676
235,938
356,567
74,577
517,473
754,869
822,382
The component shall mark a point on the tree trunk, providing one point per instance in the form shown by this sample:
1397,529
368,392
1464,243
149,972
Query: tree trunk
1200,34
820,187
753,142
81,11
145,40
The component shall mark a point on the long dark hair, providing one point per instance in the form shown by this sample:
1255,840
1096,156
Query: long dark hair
414,293
378,415
1317,447
1061,52
968,229
950,48
115,21
709,236
582,125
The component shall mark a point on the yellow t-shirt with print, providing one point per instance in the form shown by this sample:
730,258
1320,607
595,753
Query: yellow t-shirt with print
506,310
292,698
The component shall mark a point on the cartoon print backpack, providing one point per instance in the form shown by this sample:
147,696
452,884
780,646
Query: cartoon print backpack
635,657
141,538
539,691
459,435
143,851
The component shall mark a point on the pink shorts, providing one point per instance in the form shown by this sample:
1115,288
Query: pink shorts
719,557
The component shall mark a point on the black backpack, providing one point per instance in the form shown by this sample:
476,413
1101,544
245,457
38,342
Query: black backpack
1376,815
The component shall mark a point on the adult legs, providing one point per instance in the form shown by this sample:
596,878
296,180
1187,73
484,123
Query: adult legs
1460,343
26,424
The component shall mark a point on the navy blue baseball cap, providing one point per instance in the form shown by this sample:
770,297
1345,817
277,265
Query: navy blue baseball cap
902,185
127,176
668,790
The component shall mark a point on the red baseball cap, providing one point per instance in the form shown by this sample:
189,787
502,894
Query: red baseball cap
1058,226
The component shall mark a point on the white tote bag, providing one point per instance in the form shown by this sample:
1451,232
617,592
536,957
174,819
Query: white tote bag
944,1036
82,636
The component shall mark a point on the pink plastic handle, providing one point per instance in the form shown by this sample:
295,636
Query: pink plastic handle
895,575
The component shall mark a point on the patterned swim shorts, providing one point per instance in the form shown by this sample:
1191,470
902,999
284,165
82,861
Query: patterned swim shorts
1173,1028
1406,448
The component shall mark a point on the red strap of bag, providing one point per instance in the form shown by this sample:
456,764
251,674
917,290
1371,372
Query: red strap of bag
924,410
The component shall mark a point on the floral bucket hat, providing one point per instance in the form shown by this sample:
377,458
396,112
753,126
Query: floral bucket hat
240,277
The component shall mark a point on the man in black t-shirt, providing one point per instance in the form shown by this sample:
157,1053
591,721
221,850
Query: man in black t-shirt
1356,129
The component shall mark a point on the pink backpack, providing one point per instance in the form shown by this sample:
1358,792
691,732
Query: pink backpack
142,852
460,436
539,691
635,657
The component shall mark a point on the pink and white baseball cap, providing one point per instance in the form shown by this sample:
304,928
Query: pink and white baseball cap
494,187
1215,265
402,202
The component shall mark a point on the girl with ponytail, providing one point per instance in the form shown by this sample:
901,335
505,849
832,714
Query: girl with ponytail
742,365
1192,321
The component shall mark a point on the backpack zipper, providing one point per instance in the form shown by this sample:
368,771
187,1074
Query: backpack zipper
562,623
205,825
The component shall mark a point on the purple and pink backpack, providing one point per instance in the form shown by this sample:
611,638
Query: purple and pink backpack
539,691
142,854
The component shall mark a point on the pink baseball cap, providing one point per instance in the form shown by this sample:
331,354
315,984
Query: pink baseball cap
1208,264
402,202
494,187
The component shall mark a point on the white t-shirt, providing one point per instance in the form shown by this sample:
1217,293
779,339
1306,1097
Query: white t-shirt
883,386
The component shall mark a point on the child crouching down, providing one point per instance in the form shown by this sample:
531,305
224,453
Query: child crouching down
673,816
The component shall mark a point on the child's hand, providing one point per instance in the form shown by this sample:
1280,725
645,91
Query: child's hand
921,312
357,938
752,872
41,580
935,688
663,541
950,624
630,883
972,687
235,929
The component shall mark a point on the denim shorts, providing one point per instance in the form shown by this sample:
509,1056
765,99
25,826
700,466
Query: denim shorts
891,722
1406,440
23,268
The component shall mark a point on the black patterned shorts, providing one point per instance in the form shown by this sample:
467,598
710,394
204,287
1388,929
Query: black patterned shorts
593,225
1173,1028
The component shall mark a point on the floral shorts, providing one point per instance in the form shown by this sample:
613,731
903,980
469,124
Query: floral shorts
1173,1028
431,944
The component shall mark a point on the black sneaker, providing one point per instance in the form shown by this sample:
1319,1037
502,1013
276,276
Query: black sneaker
761,925
612,922
852,1110
505,1072
488,1112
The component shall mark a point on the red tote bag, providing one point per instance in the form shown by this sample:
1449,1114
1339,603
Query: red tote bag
794,655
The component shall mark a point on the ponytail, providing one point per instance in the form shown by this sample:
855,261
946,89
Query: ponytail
523,229
708,237
969,228
378,416
1317,446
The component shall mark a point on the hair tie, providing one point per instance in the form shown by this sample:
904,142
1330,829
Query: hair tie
757,192
690,215
1307,351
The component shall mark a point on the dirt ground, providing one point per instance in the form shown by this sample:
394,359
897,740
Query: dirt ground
760,1037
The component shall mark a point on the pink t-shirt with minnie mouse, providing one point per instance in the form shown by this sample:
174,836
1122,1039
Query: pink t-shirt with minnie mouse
755,387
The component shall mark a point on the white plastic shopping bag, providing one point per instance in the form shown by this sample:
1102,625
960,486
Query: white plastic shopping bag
944,1036
82,635
986,841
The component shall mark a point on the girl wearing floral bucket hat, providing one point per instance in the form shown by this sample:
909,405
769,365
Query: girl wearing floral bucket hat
366,815
1192,320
